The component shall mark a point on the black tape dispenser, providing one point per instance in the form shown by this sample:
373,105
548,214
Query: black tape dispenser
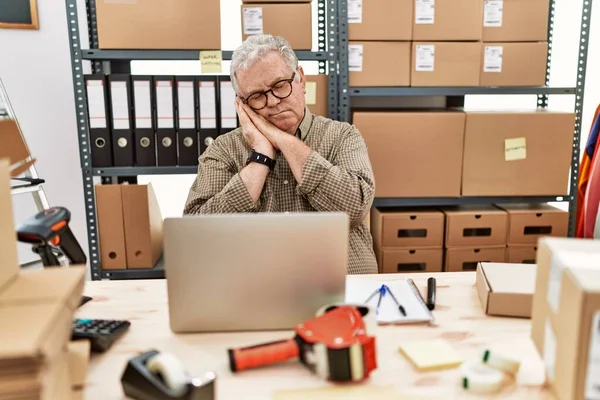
160,376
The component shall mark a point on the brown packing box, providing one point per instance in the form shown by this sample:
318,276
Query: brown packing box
475,226
514,64
143,226
506,289
410,260
381,20
367,68
521,254
317,85
508,153
159,24
519,21
407,228
79,358
111,230
14,148
414,154
449,20
553,256
445,64
466,258
291,21
527,223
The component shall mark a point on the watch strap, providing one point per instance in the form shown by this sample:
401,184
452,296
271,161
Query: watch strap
261,159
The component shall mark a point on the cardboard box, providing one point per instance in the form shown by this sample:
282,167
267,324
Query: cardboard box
466,258
514,64
14,148
566,315
510,154
448,20
111,228
143,226
515,21
291,21
158,24
367,69
380,20
506,289
317,94
554,255
410,260
475,226
410,157
527,223
521,254
445,64
407,228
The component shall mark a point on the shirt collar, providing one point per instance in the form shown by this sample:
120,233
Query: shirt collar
305,125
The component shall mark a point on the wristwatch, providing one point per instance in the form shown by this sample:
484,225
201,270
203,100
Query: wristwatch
261,159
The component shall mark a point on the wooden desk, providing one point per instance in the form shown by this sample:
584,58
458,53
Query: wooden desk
459,319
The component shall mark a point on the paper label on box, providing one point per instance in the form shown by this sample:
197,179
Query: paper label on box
355,11
425,11
96,104
550,351
515,149
120,105
208,105
143,109
311,93
592,381
492,13
493,59
425,60
253,21
211,61
355,57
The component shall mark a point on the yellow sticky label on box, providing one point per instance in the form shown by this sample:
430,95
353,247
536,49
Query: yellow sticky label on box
211,61
515,149
430,355
311,93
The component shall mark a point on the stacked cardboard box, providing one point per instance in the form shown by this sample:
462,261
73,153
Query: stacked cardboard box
408,240
527,224
36,311
289,19
566,316
316,94
129,226
159,24
474,234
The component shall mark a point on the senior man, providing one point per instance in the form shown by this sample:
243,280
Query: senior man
283,158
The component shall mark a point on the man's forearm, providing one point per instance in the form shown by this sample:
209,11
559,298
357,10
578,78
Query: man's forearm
254,176
296,153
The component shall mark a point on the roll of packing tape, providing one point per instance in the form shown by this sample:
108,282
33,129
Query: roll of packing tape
501,362
480,378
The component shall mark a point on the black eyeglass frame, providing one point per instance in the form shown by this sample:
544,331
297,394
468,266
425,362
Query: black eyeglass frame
266,93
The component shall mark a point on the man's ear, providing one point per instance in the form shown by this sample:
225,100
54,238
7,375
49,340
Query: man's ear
302,78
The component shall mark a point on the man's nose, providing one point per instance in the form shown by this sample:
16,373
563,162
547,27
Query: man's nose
272,101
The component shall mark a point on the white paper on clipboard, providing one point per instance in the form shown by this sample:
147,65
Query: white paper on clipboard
358,291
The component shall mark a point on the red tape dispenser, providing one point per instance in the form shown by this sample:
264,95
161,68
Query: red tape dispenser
334,345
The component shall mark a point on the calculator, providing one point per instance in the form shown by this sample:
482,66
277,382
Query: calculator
101,333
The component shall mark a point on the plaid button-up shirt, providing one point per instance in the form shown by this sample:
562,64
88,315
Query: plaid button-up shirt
337,177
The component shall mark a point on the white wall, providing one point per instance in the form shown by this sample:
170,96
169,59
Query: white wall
35,67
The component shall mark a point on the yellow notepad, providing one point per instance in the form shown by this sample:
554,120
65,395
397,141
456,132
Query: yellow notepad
430,355
343,392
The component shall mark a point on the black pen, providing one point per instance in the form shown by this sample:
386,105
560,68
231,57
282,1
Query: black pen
402,310
431,293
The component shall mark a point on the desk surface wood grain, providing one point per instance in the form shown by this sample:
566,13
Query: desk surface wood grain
459,319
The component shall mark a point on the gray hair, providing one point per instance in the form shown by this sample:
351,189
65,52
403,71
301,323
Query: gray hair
255,48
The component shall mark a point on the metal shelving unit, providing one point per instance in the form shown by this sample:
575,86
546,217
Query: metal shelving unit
118,61
455,97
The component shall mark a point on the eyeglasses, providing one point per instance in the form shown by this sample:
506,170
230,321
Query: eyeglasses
281,89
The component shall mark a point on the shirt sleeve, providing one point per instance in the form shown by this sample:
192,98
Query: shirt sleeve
218,187
345,183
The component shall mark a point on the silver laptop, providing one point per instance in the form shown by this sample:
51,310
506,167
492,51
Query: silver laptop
242,272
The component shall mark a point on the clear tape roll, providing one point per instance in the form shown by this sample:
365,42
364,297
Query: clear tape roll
171,370
480,378
501,362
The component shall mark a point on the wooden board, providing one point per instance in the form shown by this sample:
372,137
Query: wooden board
18,14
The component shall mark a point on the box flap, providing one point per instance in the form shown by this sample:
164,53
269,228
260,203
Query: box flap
79,357
510,278
62,285
13,147
9,262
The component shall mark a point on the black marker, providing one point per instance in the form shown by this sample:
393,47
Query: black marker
431,293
